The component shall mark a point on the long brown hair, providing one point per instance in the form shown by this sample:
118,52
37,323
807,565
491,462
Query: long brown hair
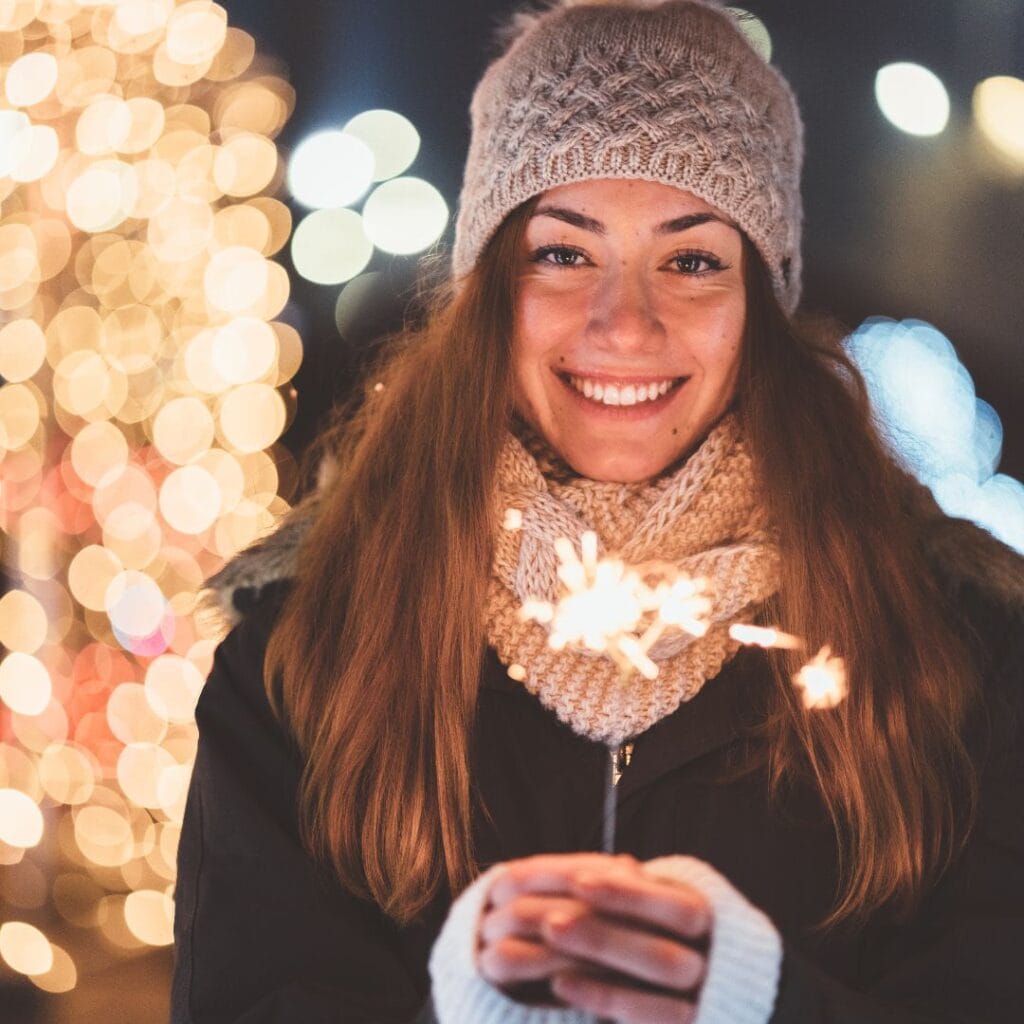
375,660
889,761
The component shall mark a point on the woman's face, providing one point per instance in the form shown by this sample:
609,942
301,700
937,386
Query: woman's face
628,324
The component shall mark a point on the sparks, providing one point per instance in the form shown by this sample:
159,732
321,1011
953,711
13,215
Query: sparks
767,637
823,680
618,610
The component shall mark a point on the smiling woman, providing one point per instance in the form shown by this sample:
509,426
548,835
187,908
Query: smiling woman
398,802
628,324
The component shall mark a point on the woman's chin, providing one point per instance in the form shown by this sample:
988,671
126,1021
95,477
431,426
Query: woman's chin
617,466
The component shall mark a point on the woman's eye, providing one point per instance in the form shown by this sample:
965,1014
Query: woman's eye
558,256
696,262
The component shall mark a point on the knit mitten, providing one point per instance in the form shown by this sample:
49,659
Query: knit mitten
740,985
745,956
459,991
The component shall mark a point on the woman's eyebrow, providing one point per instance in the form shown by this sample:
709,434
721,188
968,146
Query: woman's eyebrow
668,227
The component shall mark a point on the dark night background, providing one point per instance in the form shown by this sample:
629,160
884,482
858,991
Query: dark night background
896,225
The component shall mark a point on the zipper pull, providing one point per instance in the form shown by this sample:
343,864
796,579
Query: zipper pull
621,758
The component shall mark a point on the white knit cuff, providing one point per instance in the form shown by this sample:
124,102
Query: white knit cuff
745,956
460,993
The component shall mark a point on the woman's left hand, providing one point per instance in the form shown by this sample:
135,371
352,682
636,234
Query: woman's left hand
635,941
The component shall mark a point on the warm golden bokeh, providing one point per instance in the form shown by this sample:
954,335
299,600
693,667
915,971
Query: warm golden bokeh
143,380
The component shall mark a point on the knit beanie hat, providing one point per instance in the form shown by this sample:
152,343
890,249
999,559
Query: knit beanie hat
664,90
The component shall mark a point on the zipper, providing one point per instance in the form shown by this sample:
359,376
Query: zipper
621,757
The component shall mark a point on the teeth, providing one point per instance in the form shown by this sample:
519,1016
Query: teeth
627,394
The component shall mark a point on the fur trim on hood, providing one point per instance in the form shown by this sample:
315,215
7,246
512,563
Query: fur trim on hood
965,556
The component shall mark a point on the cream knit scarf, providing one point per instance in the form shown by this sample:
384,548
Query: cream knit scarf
705,518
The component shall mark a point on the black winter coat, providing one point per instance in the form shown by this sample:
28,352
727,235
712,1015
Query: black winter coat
263,937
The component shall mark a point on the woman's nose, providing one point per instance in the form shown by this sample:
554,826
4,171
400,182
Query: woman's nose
623,316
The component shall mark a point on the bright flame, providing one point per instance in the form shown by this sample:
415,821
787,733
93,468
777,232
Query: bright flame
611,608
767,637
822,680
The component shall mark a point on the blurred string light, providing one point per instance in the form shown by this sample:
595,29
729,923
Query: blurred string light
912,98
145,382
924,402
999,113
331,170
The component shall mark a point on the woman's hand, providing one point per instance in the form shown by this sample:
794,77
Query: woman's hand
609,938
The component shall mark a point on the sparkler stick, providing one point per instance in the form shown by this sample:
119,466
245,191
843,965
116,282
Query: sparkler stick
623,611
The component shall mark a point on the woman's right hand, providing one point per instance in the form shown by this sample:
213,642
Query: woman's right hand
596,933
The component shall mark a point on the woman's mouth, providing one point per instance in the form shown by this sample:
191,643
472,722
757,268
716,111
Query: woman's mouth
622,393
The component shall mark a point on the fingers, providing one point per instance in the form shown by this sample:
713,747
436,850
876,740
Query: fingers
676,908
524,915
620,946
623,1004
511,960
549,873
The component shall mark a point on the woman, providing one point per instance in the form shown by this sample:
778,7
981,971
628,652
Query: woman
422,776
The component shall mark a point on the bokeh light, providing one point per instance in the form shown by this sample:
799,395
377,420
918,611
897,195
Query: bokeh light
23,622
25,948
924,403
142,370
25,685
22,350
391,138
21,821
62,975
330,169
912,98
331,246
30,79
999,113
405,215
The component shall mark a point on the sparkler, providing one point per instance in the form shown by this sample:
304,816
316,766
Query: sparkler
622,611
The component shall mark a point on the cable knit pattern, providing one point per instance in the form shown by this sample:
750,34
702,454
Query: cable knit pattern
740,985
705,519
669,92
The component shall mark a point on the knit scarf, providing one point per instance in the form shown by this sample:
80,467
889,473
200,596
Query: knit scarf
705,518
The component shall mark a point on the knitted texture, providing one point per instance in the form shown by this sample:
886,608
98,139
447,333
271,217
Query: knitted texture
705,519
743,962
670,92
745,956
459,992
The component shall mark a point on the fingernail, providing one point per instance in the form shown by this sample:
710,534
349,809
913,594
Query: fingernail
559,920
